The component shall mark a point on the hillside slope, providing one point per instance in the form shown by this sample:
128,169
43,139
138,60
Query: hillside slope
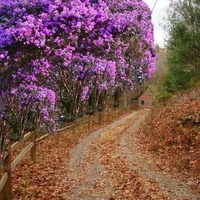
172,134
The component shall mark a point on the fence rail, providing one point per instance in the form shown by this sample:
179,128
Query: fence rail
5,182
15,145
21,155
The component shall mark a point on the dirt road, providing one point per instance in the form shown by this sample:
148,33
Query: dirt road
107,165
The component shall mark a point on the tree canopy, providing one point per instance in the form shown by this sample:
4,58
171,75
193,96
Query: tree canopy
183,44
69,55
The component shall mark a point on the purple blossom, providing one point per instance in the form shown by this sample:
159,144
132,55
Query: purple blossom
51,48
84,93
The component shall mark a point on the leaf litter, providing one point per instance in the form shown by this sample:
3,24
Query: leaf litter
110,163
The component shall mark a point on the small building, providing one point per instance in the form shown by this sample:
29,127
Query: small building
145,100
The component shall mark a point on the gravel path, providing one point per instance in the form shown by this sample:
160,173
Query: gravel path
89,179
175,189
88,172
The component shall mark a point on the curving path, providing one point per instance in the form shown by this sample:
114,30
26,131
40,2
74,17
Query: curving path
174,188
109,155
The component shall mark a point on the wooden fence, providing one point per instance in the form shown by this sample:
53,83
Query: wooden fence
8,166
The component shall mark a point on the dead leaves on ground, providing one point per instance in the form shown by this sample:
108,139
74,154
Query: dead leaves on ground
126,183
44,179
172,132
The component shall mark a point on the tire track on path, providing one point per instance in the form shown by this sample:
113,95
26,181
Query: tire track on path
96,158
87,173
174,188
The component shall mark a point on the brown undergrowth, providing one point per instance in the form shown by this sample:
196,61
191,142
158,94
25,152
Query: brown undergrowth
172,133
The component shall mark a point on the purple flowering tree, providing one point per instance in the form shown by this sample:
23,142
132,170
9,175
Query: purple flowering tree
75,52
25,97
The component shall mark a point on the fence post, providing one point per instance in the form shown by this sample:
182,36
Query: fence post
7,190
57,138
99,118
33,149
89,122
105,118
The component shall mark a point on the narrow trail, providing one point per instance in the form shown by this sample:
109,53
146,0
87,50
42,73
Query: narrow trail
174,188
108,165
87,170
